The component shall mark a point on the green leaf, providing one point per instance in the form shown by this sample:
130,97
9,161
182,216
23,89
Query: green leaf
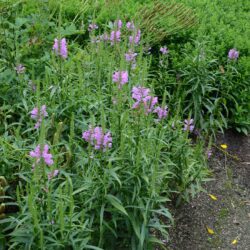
115,202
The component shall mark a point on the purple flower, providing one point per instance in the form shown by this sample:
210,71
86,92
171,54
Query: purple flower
36,153
118,24
86,135
38,115
209,153
141,95
188,125
120,77
149,103
107,140
61,49
45,155
130,56
97,138
115,36
161,112
53,174
135,39
20,69
130,25
233,54
164,50
92,27
138,93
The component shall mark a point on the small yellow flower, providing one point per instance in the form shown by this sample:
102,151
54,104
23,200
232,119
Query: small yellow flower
224,146
213,197
210,230
234,242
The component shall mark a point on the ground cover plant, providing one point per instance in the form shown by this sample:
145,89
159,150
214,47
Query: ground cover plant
100,128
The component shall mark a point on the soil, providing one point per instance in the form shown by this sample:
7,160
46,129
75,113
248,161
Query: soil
229,215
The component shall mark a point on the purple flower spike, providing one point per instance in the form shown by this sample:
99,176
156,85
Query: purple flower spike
45,155
135,39
115,36
164,50
130,25
97,138
162,112
209,153
149,103
130,56
120,77
118,24
138,93
61,49
141,95
38,115
188,125
92,27
233,54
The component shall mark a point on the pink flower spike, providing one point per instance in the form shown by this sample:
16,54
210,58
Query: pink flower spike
56,46
34,113
233,54
92,27
149,103
115,36
43,111
63,47
120,77
46,156
86,135
138,93
118,24
161,112
98,139
130,56
135,39
130,25
164,50
36,153
38,115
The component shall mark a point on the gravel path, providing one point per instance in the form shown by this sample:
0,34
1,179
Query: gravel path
229,215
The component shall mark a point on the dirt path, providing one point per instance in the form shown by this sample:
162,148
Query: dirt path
229,215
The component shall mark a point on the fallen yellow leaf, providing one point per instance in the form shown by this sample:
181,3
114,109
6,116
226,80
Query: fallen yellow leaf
213,197
210,230
224,146
234,242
